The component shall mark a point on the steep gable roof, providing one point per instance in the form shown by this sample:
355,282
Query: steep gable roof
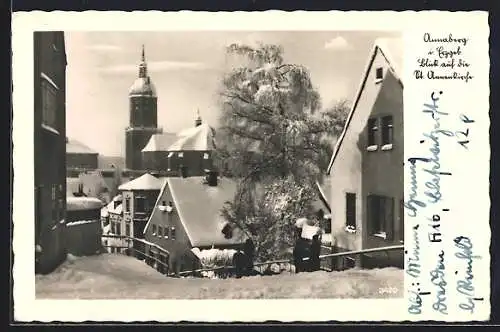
74,146
160,142
392,51
144,182
199,208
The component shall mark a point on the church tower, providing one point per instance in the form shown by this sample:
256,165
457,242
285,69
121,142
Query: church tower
143,118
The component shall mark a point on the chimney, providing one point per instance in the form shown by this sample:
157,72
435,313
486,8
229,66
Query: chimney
198,120
212,178
184,171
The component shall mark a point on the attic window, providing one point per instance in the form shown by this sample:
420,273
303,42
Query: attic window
379,74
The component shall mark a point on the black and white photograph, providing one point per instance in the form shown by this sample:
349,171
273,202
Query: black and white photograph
218,164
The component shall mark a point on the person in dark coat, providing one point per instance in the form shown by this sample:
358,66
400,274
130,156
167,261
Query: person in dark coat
315,262
249,251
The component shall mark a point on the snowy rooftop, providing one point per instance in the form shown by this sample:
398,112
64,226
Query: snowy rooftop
73,146
144,182
82,203
201,138
160,142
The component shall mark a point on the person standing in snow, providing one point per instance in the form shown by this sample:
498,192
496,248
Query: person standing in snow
315,262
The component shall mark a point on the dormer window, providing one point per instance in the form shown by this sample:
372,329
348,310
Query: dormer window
379,74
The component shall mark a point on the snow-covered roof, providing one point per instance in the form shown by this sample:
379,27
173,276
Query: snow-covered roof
144,182
200,138
118,198
82,203
392,51
160,142
73,146
199,208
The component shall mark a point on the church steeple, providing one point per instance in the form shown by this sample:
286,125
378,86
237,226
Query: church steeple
143,67
198,120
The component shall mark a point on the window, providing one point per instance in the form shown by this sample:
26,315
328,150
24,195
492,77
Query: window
140,204
381,216
127,229
113,228
379,74
49,104
118,228
172,233
154,229
350,210
127,205
387,130
372,131
160,231
180,154
205,156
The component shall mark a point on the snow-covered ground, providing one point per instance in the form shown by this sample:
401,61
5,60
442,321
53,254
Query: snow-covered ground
109,276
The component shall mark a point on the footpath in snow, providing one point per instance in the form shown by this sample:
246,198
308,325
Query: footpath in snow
111,276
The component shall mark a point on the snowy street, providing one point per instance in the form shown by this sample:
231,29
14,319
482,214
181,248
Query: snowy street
109,276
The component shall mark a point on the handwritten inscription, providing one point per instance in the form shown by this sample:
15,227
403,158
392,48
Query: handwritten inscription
445,59
465,285
425,190
438,279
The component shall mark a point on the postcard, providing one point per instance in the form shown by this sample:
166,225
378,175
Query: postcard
238,166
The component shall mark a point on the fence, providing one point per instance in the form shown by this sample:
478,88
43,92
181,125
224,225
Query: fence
283,265
127,245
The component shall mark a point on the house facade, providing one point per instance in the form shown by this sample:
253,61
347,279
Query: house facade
366,168
49,148
138,200
79,158
187,215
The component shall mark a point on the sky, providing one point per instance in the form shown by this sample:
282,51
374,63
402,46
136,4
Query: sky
186,67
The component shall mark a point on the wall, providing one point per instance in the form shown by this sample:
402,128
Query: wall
131,215
383,170
347,168
50,150
81,161
83,239
143,112
194,160
136,140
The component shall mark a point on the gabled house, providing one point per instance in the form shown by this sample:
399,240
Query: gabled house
139,197
187,215
366,168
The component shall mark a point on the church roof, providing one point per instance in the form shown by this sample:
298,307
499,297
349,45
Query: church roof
143,86
73,146
144,182
160,142
200,138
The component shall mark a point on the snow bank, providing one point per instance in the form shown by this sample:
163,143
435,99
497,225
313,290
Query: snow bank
82,203
214,257
82,222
